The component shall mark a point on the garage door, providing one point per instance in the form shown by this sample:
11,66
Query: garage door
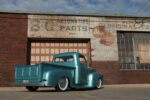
43,51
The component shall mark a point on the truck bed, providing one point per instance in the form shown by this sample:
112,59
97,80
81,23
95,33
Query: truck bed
32,74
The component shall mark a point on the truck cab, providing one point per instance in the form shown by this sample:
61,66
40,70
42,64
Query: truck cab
67,70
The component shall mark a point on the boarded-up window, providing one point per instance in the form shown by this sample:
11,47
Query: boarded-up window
144,53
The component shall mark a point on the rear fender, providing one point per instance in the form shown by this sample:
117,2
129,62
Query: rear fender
51,77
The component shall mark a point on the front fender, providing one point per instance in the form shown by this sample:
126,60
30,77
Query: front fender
92,78
52,77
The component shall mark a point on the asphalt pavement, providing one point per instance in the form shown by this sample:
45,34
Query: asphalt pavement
107,92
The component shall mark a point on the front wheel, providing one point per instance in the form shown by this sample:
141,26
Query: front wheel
63,84
32,88
98,83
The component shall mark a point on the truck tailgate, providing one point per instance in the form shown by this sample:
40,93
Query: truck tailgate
28,74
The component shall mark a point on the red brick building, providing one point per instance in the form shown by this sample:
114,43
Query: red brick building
116,46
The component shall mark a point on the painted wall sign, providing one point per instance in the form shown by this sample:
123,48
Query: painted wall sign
101,31
58,27
106,38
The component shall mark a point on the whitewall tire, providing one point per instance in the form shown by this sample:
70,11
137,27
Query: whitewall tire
63,84
98,83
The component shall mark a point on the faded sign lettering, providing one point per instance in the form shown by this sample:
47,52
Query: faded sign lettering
35,25
52,26
49,26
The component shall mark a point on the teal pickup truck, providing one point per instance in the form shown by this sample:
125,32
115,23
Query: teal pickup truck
67,70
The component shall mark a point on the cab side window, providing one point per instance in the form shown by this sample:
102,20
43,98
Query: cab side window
82,60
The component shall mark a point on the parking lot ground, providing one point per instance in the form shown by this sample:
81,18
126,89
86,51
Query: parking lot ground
108,92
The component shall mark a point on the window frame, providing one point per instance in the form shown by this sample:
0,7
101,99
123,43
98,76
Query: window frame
135,53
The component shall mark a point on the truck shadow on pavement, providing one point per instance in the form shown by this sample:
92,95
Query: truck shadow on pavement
69,90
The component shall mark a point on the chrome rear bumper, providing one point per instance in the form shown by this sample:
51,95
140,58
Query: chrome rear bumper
29,84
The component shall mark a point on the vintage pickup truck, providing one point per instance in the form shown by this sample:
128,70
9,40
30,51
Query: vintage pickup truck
67,70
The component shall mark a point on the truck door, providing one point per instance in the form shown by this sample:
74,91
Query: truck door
83,67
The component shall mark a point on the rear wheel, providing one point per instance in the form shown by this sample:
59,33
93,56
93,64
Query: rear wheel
98,83
32,88
63,84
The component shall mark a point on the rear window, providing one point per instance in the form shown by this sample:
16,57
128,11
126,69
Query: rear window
63,59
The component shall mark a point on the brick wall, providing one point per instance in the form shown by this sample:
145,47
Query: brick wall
13,45
112,74
109,70
13,50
